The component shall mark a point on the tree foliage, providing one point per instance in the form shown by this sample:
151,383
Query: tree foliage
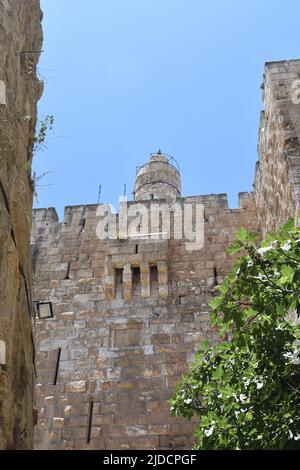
245,390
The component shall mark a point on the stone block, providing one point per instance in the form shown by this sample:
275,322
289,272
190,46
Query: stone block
58,423
54,284
67,315
68,410
78,386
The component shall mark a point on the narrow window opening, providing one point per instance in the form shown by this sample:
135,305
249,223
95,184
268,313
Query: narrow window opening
136,281
57,367
154,273
82,225
153,280
136,249
215,277
90,422
139,224
172,223
160,222
68,272
136,275
119,283
152,196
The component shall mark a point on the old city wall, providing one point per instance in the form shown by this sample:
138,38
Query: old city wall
128,318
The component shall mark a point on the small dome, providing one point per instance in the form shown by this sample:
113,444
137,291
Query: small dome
158,157
157,179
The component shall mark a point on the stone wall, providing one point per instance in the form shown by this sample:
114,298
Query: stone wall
277,178
128,318
20,33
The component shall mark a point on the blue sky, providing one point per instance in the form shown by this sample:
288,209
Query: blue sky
126,77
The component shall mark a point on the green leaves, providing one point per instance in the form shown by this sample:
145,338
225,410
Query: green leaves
244,236
236,247
287,274
204,346
217,374
246,392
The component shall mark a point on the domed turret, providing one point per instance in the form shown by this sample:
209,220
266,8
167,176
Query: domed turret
158,179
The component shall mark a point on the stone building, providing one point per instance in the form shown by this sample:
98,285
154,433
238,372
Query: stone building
122,299
20,41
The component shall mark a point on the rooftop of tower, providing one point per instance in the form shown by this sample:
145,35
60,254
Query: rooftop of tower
162,157
159,178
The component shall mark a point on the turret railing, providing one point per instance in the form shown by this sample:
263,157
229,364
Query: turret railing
171,161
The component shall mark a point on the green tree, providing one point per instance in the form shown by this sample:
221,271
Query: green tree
245,390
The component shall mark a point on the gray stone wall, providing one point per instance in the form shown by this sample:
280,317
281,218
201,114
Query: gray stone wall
20,33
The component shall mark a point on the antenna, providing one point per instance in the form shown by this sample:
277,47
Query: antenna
99,194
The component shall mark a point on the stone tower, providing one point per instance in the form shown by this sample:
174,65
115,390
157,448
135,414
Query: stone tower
157,179
277,175
128,312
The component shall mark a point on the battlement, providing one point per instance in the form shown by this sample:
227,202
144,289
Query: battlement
45,215
73,214
284,62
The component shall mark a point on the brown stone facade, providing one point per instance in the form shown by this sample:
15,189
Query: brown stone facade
129,314
20,33
128,318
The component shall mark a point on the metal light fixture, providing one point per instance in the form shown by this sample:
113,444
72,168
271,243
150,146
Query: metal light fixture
44,310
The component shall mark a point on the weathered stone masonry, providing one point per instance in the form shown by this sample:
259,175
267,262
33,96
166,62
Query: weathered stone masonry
129,314
20,32
277,178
